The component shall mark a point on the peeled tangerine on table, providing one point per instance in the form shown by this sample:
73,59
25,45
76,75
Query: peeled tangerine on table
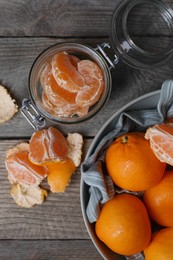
48,154
60,155
25,177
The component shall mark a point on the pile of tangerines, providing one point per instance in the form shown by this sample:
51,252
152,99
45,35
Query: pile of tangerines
129,224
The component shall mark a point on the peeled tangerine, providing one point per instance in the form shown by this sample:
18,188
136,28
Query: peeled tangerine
47,145
60,155
25,177
48,154
161,141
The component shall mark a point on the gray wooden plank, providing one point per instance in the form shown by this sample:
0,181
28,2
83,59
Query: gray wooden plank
55,18
60,18
17,56
59,217
48,249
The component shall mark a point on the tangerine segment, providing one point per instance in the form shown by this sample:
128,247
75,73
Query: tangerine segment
61,109
161,142
59,174
55,93
22,171
48,145
74,60
82,111
94,80
66,74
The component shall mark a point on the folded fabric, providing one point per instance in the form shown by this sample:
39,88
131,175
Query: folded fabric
101,187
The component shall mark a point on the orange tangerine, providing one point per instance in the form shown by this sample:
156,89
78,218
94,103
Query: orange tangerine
52,89
160,247
66,74
124,225
52,146
74,60
21,170
159,200
94,80
132,164
161,141
63,110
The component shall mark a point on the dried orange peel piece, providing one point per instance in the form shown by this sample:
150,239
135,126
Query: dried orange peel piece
8,105
75,142
27,197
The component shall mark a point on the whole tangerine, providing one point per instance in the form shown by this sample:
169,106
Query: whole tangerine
124,225
160,246
132,164
159,200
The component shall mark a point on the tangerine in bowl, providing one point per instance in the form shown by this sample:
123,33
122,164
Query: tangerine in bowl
69,83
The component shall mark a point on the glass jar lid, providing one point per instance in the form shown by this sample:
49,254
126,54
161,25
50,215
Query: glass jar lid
141,33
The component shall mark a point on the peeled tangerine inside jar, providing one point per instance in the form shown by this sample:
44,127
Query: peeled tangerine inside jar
71,82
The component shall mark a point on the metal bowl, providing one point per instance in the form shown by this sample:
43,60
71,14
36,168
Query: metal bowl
147,101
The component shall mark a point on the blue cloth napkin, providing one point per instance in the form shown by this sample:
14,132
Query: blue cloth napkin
101,187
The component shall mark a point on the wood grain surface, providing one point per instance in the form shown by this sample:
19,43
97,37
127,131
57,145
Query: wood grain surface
56,230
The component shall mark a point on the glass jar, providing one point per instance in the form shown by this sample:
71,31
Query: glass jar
82,52
132,21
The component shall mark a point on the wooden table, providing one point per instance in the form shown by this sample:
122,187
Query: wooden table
55,230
